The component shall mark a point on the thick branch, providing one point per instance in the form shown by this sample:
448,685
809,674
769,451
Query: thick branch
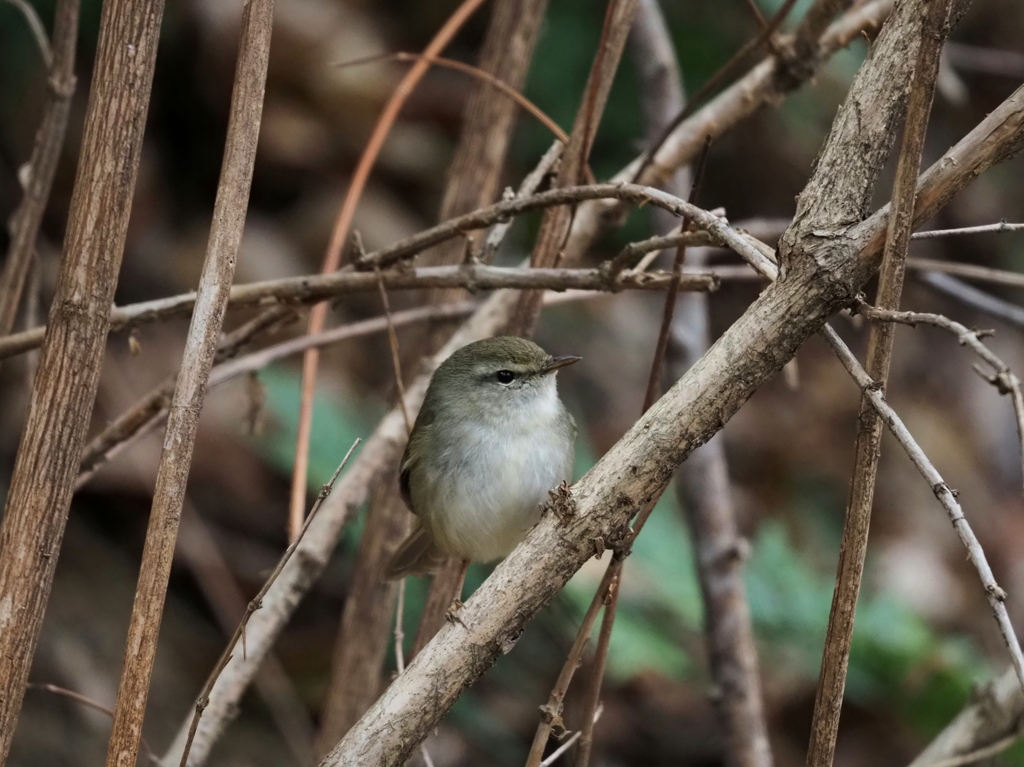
65,384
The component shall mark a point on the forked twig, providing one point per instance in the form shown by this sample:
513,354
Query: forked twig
1001,377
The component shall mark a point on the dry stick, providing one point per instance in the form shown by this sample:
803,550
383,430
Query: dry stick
933,29
332,256
190,388
64,390
77,697
748,353
1001,377
202,554
257,603
556,223
946,495
42,166
974,298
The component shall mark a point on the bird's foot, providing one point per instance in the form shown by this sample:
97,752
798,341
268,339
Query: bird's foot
452,614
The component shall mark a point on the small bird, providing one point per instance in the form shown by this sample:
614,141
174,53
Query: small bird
491,440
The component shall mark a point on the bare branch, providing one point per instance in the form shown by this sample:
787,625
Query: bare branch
946,495
1001,377
932,31
190,388
65,385
43,164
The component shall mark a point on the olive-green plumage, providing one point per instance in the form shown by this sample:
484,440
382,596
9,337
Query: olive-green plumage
491,440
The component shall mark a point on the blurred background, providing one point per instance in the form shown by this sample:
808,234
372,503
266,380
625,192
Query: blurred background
924,632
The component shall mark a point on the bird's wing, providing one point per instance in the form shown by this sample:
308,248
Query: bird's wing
403,479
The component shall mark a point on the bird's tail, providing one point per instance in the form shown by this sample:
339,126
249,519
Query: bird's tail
418,555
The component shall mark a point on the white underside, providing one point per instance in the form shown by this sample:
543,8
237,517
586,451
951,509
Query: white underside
518,460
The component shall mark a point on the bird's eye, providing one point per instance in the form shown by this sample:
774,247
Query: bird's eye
505,376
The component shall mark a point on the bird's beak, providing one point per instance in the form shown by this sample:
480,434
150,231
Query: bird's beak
554,363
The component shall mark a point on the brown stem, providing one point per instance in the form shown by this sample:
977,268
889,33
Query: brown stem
43,164
556,223
933,29
190,388
65,386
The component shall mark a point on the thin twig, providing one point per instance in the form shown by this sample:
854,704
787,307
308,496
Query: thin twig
1001,377
946,495
567,743
42,166
35,24
1002,226
974,298
77,697
256,603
